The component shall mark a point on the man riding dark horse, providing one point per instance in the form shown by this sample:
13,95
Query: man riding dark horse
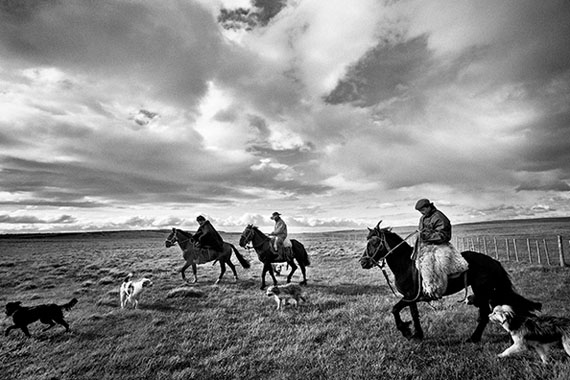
207,237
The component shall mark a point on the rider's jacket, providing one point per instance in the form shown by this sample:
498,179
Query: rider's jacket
434,227
207,236
280,229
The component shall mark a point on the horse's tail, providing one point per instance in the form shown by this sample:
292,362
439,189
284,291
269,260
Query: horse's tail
506,294
242,260
300,253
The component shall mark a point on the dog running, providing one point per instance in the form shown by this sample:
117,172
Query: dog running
49,314
131,291
282,294
538,333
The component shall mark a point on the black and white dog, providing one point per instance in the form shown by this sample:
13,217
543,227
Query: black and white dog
131,291
538,333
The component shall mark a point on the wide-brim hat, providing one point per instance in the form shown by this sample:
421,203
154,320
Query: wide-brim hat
423,203
275,214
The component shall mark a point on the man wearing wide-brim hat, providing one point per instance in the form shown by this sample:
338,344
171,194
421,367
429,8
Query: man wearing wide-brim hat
437,258
279,231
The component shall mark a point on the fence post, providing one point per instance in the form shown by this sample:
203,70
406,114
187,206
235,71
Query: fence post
516,251
496,251
507,245
529,254
538,252
485,244
546,252
561,251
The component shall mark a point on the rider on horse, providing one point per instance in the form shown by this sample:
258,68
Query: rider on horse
207,237
280,233
437,258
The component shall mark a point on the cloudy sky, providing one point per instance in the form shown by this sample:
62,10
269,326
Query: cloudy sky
124,114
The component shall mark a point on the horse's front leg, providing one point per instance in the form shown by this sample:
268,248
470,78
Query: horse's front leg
293,269
271,273
183,271
482,321
194,272
418,332
263,273
404,327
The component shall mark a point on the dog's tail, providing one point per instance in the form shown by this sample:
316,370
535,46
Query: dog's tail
69,305
242,260
128,278
506,294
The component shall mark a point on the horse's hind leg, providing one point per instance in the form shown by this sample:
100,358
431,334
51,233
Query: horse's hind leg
233,268
303,271
222,271
293,269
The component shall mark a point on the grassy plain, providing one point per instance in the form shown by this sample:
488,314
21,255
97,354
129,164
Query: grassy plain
232,331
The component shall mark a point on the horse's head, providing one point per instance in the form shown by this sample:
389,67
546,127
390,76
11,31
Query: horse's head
171,239
376,250
247,235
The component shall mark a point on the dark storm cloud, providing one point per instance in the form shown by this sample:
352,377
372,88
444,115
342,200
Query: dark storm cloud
171,52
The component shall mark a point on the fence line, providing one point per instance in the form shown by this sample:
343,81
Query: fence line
537,249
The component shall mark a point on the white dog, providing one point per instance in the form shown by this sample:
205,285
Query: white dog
131,291
538,333
286,292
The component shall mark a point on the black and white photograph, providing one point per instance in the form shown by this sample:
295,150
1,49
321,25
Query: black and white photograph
284,189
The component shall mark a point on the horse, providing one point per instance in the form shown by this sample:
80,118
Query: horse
185,241
489,281
262,245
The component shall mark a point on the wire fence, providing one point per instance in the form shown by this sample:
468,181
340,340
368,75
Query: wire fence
549,250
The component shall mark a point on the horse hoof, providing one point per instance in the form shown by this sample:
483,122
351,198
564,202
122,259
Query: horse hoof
303,283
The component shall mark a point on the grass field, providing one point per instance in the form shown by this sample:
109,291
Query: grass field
232,330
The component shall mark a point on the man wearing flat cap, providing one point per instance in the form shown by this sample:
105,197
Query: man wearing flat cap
437,258
279,231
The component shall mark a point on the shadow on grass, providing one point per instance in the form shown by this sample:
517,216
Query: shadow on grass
348,289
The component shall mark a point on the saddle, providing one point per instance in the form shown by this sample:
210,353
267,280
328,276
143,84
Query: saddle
285,251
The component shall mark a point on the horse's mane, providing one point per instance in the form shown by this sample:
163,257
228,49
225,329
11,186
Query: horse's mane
187,234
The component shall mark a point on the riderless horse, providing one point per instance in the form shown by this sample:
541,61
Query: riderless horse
489,281
192,254
267,255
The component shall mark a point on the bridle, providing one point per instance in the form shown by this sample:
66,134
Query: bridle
384,244
175,239
249,237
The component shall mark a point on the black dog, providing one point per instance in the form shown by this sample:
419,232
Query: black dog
48,314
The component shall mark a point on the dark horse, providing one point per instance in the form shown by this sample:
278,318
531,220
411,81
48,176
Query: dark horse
186,242
489,281
262,245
